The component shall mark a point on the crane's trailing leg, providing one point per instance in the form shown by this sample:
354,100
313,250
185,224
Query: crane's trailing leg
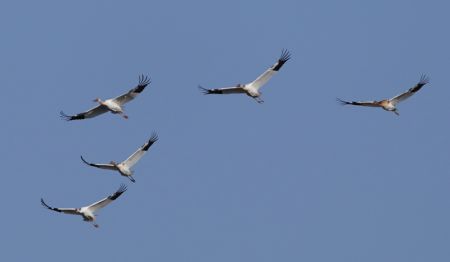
123,115
259,100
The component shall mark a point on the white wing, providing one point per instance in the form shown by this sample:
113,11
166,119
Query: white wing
71,211
226,90
102,203
360,103
130,95
134,158
98,110
264,77
423,81
102,166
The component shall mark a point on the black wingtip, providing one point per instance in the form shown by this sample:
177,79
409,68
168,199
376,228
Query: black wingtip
150,142
424,79
119,192
285,56
64,116
153,138
86,162
204,90
143,82
70,118
47,206
43,203
342,102
122,188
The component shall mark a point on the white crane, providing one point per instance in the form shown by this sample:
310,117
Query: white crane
113,105
252,89
125,166
391,104
88,212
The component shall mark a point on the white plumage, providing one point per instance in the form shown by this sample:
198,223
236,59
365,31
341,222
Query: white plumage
391,104
125,167
88,212
252,89
113,105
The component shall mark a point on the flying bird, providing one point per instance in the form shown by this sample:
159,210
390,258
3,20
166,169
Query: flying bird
124,168
113,105
88,212
252,89
391,104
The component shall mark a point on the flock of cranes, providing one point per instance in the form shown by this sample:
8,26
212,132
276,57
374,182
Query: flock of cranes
115,106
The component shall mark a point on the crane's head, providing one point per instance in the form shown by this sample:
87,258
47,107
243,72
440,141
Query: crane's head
98,100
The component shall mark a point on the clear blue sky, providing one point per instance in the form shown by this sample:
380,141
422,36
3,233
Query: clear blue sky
298,178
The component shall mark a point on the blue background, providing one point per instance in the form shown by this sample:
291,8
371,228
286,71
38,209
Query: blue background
298,178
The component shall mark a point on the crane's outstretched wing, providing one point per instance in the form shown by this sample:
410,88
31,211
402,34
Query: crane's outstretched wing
102,203
424,79
226,90
102,166
134,158
361,103
130,95
264,77
71,211
98,110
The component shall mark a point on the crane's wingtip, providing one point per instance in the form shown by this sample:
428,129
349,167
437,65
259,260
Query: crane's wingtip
119,192
84,161
424,79
205,91
64,116
342,102
122,189
285,55
144,80
150,141
154,137
43,203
